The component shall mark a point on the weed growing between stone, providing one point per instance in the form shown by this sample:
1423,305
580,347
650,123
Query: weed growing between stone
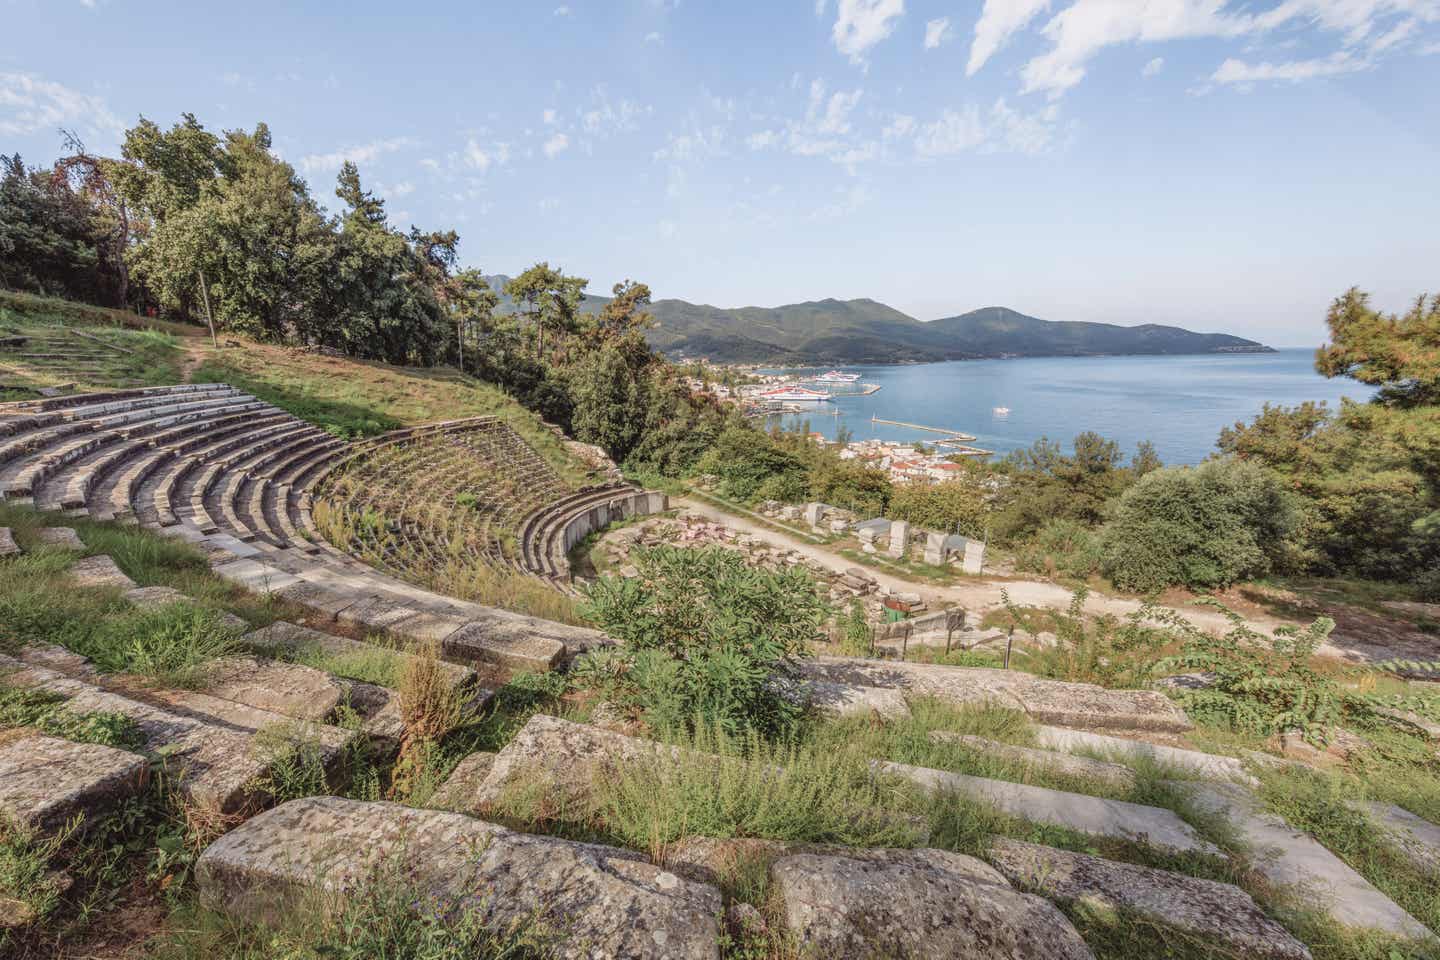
44,712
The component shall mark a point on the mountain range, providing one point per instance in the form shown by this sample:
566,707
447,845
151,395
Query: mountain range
866,331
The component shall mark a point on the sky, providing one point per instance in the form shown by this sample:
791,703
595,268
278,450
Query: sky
1222,166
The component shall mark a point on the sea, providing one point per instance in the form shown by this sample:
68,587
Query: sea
1178,403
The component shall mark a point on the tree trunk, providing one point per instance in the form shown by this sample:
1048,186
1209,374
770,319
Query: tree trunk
209,317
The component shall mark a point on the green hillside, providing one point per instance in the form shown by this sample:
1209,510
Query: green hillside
866,331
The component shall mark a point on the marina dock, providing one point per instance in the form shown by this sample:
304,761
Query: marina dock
954,441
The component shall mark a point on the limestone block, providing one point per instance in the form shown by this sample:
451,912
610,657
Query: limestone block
899,539
46,781
1219,913
60,538
99,571
1113,775
924,904
600,902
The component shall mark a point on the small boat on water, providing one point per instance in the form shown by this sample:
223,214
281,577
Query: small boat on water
835,376
1001,411
793,395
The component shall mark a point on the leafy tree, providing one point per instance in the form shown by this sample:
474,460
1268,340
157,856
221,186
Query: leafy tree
1400,354
705,639
609,398
957,506
547,300
743,459
1044,482
49,239
1202,527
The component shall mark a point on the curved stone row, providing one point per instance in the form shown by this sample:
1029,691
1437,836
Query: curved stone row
547,535
427,500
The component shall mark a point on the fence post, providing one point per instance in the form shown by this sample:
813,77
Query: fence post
1009,642
904,641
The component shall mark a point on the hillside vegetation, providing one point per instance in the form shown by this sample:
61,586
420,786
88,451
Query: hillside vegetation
866,331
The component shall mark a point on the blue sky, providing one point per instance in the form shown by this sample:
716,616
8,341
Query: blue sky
1221,166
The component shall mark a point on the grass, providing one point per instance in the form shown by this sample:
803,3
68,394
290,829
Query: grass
144,355
358,398
43,712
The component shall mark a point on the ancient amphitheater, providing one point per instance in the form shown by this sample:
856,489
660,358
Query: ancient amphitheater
353,534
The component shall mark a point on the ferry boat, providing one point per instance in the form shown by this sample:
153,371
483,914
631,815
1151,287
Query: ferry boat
835,376
1001,411
793,395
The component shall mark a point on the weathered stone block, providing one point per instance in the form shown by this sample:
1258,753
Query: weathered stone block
45,781
844,699
457,794
1185,763
60,538
602,901
8,547
899,539
923,905
1153,826
99,572
1115,775
1219,913
286,688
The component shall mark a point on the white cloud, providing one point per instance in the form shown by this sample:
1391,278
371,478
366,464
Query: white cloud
902,125
399,190
1153,67
936,32
546,204
860,24
1430,49
1086,27
1396,35
1003,128
363,153
29,104
820,7
556,145
668,229
562,11
954,132
999,20
762,139
654,37
1241,74
482,158
548,117
607,117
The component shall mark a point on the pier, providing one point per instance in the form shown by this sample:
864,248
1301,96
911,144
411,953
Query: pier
952,435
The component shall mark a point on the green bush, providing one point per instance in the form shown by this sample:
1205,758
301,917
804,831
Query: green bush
957,505
1062,547
1202,527
703,637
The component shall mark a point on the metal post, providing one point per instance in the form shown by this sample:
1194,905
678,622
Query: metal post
1009,642
904,642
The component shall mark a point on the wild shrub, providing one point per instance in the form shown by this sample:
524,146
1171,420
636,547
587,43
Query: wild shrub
1260,684
704,638
430,706
1061,547
170,644
1202,527
1103,650
26,874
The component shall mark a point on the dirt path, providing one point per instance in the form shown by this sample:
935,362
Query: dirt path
981,596
192,356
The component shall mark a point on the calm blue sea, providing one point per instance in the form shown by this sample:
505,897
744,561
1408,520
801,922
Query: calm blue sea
1178,403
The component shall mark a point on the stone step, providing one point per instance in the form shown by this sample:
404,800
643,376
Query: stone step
1114,775
1183,764
916,904
283,640
8,547
214,764
605,902
59,538
457,794
1044,701
46,782
288,689
849,699
1152,826
1219,914
1416,840
99,571
1290,859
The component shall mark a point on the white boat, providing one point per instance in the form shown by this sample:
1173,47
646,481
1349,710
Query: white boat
1001,411
793,395
835,376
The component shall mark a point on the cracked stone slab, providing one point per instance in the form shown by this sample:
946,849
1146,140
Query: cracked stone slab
1114,775
375,614
150,597
320,600
255,576
1414,838
282,639
602,902
1218,913
480,642
1288,858
8,547
46,781
1153,826
60,538
427,627
919,905
848,699
290,689
99,571
1185,764
1044,701
457,794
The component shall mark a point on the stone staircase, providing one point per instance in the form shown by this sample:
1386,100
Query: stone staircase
215,466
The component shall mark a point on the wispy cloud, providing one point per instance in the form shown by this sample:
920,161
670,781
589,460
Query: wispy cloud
359,154
1153,67
936,32
1000,129
1238,73
999,21
556,145
860,24
30,103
